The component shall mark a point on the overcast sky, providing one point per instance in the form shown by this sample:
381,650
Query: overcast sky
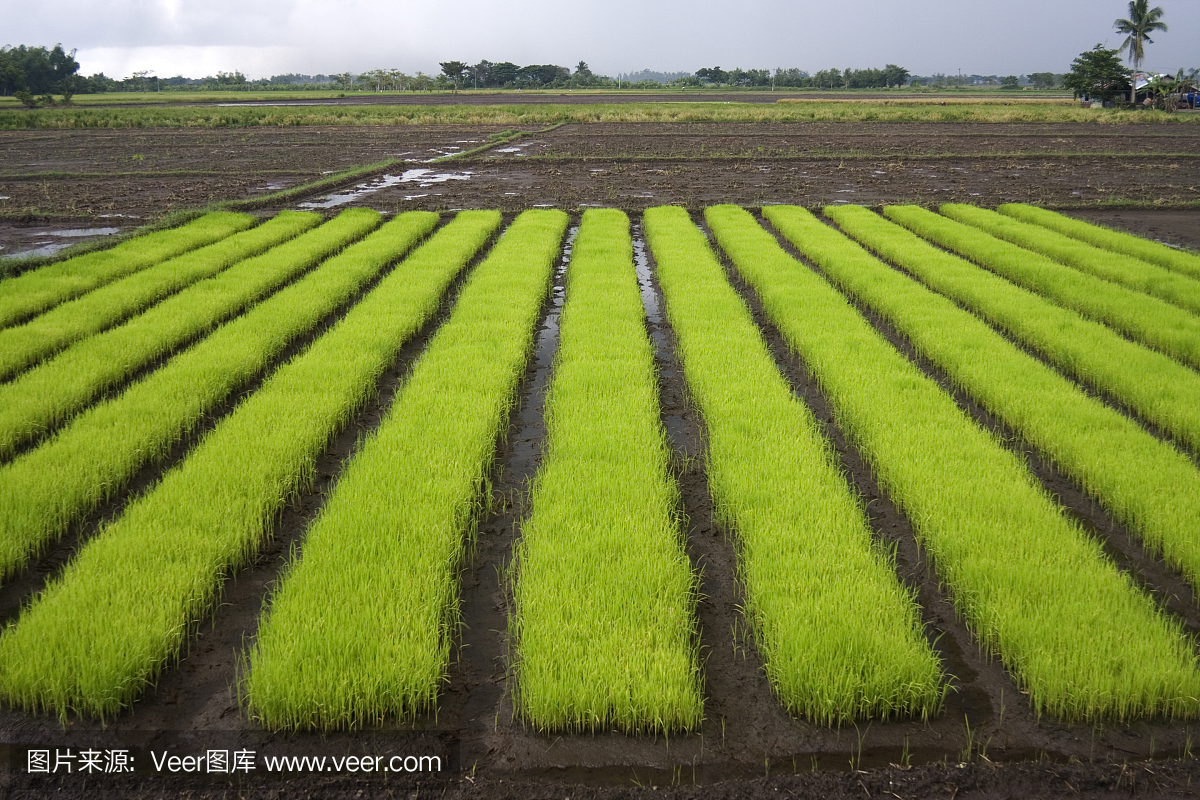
266,37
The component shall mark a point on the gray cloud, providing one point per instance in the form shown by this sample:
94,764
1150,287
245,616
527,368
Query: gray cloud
263,37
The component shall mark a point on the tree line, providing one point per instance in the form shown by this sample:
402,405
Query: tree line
28,71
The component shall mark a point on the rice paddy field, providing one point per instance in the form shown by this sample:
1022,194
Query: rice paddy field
711,499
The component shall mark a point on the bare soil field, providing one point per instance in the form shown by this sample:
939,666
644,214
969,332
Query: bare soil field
986,744
88,179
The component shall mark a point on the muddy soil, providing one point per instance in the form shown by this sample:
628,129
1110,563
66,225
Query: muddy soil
88,179
987,743
807,139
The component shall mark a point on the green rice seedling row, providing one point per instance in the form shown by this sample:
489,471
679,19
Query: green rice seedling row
389,543
1120,268
1118,242
1074,632
104,628
34,292
23,345
1159,388
841,638
604,624
1152,488
47,489
47,395
1149,320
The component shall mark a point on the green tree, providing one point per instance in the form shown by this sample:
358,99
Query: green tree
1010,82
1098,73
1142,21
1043,80
454,71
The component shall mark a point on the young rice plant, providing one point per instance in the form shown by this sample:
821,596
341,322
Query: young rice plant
841,638
389,543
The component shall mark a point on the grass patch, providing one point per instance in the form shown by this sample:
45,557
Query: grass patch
45,491
389,542
1074,632
124,607
36,290
604,622
841,639
48,394
1153,322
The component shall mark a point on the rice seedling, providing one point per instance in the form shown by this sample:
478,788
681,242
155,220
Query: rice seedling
118,613
1181,261
45,491
1149,320
605,596
1152,488
840,637
33,292
47,395
1119,268
1073,631
23,345
1157,387
389,542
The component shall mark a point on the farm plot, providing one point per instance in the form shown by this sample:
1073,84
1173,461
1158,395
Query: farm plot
224,396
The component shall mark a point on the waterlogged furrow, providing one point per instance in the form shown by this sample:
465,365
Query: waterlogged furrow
1149,320
32,293
23,345
1119,268
1118,242
1156,386
48,394
605,595
1074,632
103,629
1152,488
841,638
389,542
49,488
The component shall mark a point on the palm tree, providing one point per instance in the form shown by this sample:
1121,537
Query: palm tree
1141,23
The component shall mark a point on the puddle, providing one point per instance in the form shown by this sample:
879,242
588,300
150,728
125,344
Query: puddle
72,233
45,248
423,177
512,193
414,196
5,197
847,191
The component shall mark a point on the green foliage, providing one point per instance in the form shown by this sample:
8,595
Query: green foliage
1043,80
37,290
1038,591
50,488
48,394
23,345
390,540
1011,82
1172,258
1153,489
36,70
1151,321
604,621
1122,269
841,639
1142,22
1159,388
106,626
1098,74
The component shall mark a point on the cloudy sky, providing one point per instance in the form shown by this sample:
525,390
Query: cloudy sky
266,37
